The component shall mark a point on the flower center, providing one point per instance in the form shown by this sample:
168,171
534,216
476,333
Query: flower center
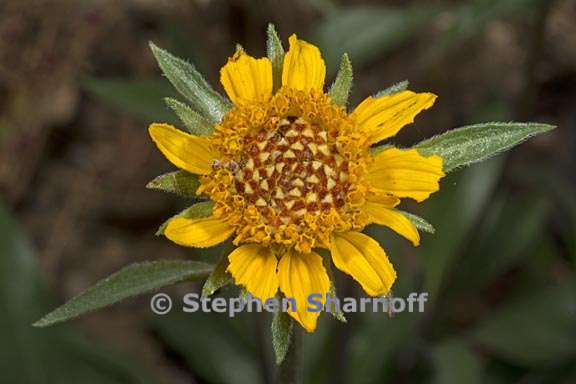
291,171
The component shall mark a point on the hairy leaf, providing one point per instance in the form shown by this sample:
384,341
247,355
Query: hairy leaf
190,83
398,87
219,277
133,280
275,53
180,182
202,209
340,89
419,222
192,120
281,335
474,143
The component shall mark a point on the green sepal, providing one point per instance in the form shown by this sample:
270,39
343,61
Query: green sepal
338,315
282,325
398,87
275,53
190,83
180,182
193,121
376,150
419,222
135,279
471,144
340,89
219,277
198,210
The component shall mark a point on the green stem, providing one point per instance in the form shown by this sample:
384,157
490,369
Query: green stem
290,371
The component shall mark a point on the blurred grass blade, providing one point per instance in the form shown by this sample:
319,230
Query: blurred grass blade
219,277
509,231
190,83
196,124
202,209
216,349
139,98
181,183
471,19
135,279
50,356
465,195
340,89
366,33
419,222
537,329
281,335
275,53
467,145
398,87
456,363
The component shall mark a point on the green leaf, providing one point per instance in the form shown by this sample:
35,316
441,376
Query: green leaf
133,280
139,98
219,277
340,89
536,329
275,53
467,145
196,124
398,87
202,209
419,222
281,335
190,83
326,258
181,183
456,363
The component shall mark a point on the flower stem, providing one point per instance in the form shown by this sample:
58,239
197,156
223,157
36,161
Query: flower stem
290,370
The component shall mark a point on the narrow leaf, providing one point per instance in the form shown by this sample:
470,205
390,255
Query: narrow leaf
219,277
195,123
419,222
474,143
281,335
275,53
181,183
334,311
190,83
130,281
340,89
398,87
202,209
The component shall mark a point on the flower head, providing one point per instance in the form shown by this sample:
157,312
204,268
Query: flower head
291,172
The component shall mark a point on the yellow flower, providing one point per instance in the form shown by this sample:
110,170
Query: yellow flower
290,172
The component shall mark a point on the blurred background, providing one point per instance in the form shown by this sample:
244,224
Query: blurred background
78,86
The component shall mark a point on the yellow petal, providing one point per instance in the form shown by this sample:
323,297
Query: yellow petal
246,79
385,215
188,152
200,233
406,173
382,117
361,257
254,267
303,67
301,275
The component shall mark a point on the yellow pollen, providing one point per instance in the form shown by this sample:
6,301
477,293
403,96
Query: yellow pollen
284,173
